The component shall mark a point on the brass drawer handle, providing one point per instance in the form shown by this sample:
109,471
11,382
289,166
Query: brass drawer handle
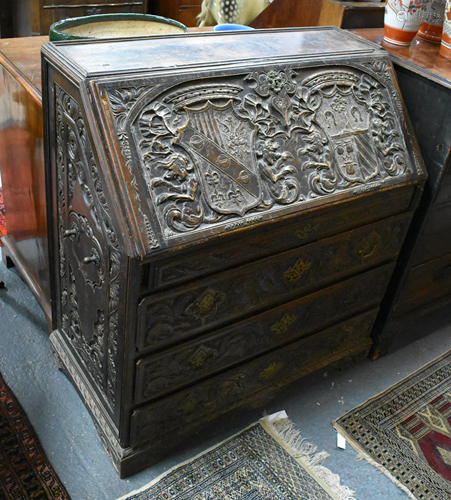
70,232
94,257
283,325
295,272
271,371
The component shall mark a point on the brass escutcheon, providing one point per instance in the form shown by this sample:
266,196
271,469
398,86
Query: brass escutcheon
269,372
199,358
282,325
295,272
306,231
206,306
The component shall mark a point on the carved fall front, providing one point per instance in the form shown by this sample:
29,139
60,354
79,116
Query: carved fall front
250,144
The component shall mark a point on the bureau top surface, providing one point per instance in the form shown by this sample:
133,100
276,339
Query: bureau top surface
119,56
212,134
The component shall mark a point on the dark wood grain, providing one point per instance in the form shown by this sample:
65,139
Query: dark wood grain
22,165
290,13
34,17
184,11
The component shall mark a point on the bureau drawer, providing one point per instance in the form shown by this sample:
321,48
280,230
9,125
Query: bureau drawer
424,284
181,366
436,238
167,318
235,387
182,266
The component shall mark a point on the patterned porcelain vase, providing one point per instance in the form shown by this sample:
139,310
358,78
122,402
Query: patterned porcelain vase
445,49
402,20
431,29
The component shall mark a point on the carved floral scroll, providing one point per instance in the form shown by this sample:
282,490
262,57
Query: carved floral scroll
248,144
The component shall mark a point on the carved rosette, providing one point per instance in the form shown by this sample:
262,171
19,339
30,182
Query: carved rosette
252,143
88,248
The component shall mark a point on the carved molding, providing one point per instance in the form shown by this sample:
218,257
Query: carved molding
104,426
122,102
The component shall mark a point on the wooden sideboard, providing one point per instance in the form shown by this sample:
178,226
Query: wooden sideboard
422,281
22,164
34,17
184,11
289,13
344,14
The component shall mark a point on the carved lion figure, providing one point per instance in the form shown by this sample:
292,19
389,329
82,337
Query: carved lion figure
230,11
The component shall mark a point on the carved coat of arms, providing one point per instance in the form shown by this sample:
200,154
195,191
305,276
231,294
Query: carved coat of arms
222,145
212,151
346,123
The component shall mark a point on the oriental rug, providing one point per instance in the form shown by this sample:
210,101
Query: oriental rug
267,461
2,216
25,472
406,433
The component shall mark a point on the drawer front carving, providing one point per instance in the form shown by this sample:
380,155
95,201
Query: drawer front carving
167,371
234,388
170,317
425,284
200,263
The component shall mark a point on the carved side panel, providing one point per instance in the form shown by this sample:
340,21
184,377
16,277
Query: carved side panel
89,257
167,318
217,150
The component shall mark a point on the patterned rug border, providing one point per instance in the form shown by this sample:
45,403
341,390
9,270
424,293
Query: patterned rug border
35,467
382,400
280,428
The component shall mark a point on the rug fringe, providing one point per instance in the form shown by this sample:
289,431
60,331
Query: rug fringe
306,453
364,456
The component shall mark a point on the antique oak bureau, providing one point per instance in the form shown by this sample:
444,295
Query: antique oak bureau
225,212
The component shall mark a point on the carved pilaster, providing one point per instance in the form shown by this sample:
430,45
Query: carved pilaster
88,249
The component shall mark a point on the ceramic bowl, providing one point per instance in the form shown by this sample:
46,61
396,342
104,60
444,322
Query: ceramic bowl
114,26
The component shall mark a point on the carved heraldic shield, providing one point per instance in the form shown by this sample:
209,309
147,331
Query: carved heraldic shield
222,145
